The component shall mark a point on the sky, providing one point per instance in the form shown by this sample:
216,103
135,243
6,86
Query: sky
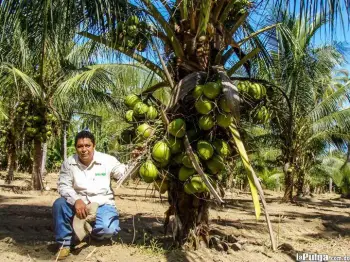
341,31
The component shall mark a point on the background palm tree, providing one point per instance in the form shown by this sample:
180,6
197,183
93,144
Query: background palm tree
304,74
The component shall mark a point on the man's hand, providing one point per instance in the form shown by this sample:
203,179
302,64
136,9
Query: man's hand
80,209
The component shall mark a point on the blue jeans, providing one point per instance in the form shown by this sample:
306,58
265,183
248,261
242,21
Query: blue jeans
106,225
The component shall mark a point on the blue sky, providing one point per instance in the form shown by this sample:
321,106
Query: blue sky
341,35
341,31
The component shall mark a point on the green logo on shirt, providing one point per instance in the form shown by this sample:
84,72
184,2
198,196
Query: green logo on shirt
100,174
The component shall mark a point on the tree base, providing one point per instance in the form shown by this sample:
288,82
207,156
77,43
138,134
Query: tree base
191,217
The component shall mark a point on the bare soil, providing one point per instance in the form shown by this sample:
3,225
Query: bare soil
319,224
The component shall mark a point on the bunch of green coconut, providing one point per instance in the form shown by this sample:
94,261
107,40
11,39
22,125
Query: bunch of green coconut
35,121
133,34
204,116
254,93
39,124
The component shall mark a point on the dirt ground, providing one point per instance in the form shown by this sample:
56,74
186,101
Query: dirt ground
320,224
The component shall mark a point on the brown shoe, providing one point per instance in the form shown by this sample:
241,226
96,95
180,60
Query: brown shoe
63,253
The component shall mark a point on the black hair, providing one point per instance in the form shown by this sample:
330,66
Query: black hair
84,134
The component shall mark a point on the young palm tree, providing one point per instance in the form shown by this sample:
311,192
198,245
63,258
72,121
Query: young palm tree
193,39
190,40
309,114
38,91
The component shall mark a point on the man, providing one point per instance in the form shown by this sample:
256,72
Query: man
85,178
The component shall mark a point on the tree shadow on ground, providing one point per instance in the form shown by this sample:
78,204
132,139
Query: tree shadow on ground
133,197
334,224
4,198
27,229
30,226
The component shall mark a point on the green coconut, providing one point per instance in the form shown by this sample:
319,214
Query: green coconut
212,89
49,116
198,184
161,152
206,122
175,145
204,149
31,131
203,105
161,185
185,173
37,119
148,171
243,87
261,115
133,20
223,105
144,130
177,127
132,30
140,109
152,113
189,189
198,91
257,91
131,100
222,147
224,120
129,116
215,164
186,161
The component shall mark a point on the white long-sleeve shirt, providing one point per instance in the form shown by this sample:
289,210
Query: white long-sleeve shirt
89,183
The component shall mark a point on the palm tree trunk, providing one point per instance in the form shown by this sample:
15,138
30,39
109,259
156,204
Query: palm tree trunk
11,144
191,216
37,182
11,162
288,183
64,141
43,160
300,183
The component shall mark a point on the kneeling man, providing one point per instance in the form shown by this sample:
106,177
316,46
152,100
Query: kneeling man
84,179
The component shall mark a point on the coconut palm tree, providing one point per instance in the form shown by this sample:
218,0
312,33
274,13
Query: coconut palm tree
38,90
183,42
187,38
308,114
193,42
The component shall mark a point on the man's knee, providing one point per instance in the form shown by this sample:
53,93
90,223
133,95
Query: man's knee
61,206
59,203
107,230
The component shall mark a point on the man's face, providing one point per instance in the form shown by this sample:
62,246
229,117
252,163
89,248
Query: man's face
85,150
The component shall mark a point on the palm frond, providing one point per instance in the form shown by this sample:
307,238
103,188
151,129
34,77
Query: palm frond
18,76
82,82
331,104
339,119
